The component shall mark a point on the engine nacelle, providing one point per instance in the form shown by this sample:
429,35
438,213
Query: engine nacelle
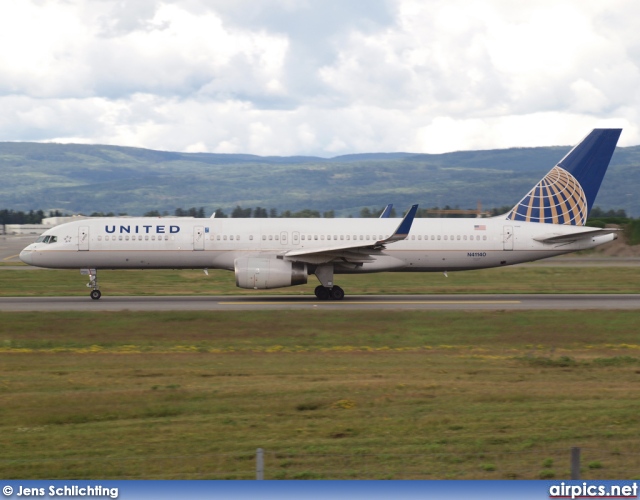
260,273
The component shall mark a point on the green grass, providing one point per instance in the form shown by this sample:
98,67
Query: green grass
353,394
524,279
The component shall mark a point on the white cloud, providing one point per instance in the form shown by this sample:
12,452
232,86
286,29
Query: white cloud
322,77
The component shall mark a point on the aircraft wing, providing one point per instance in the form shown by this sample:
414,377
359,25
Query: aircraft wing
563,238
355,252
387,211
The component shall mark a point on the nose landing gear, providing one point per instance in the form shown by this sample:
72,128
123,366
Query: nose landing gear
93,282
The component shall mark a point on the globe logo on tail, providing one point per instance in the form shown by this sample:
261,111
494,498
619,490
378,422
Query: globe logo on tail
557,199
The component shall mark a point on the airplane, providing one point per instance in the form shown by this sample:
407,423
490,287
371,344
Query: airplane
273,253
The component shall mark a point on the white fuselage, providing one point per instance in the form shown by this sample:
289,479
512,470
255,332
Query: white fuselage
432,244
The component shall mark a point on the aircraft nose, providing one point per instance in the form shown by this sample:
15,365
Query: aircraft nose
26,256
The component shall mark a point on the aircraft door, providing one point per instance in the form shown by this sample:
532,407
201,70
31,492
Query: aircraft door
284,237
83,238
198,238
507,238
295,238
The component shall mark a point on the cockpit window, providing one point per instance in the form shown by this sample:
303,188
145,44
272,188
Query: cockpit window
47,239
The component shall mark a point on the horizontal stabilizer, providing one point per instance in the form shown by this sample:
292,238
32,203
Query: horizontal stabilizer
561,238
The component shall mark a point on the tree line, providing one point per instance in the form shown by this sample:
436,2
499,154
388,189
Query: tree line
8,216
16,217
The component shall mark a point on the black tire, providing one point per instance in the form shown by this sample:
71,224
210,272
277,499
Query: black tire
322,292
337,293
95,294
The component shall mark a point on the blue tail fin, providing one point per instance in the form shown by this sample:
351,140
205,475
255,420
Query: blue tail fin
566,194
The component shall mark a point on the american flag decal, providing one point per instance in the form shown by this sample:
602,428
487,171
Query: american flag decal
480,227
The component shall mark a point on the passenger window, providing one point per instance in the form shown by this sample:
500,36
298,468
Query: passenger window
277,237
458,237
484,238
438,237
315,237
264,237
251,237
446,237
224,237
419,236
237,237
231,237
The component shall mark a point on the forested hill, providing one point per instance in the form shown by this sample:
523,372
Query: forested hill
96,178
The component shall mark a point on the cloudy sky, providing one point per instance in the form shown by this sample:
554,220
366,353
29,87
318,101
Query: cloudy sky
318,77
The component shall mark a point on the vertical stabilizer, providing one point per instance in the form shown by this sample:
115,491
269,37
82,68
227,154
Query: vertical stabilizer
566,194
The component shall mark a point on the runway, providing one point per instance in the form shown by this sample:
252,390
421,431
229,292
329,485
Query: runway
296,302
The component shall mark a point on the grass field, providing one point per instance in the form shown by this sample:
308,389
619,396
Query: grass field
520,279
343,395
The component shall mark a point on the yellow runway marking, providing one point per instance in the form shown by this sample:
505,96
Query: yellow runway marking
6,259
374,302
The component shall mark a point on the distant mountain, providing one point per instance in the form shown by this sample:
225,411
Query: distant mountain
78,178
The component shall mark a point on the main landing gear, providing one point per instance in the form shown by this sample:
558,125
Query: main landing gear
326,293
327,290
93,282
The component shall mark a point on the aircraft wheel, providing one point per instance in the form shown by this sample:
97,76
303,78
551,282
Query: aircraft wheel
337,293
322,292
95,294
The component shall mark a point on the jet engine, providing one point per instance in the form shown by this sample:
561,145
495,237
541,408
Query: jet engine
260,273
